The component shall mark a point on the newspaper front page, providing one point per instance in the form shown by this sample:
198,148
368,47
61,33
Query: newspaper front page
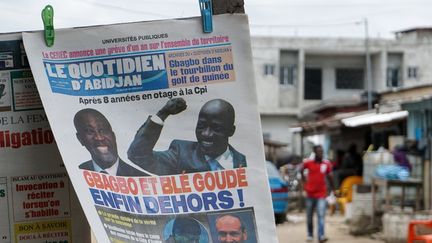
158,127
37,202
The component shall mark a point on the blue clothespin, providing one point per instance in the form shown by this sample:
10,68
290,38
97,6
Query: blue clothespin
206,15
47,18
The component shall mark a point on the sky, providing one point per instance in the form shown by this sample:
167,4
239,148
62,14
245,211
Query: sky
300,18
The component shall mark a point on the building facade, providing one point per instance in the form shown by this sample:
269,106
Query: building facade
297,76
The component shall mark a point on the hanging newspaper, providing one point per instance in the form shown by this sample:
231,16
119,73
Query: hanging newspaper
37,202
158,126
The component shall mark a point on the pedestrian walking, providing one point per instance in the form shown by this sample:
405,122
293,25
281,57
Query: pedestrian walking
315,171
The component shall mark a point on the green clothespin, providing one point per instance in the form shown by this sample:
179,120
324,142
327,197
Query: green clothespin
47,17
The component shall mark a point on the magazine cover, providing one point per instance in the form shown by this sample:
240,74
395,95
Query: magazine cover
37,201
158,127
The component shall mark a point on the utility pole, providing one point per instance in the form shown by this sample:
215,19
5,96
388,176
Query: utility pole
368,65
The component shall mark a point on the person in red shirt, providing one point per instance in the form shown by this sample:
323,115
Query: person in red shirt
315,172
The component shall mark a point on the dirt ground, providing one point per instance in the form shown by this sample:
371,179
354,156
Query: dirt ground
294,231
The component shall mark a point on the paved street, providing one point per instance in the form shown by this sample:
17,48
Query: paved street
294,231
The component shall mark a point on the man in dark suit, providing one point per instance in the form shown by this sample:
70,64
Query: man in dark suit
211,151
95,133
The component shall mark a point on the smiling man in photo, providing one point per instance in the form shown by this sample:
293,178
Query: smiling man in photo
210,152
95,133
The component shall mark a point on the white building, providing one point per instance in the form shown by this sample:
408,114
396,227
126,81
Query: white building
297,75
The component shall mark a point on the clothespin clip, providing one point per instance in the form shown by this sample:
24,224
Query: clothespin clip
206,15
47,17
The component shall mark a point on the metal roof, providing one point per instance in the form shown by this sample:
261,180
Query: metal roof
374,118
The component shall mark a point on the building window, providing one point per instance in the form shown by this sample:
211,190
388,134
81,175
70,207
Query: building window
287,75
412,72
349,78
313,84
269,69
393,77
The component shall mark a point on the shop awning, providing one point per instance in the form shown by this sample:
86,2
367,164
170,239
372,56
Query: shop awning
374,118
